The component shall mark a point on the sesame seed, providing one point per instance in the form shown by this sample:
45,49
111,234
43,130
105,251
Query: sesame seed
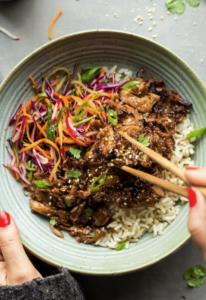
168,12
150,29
154,23
50,203
162,18
151,18
50,197
116,15
48,215
194,24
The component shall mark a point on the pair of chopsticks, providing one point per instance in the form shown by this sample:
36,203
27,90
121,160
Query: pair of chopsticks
165,164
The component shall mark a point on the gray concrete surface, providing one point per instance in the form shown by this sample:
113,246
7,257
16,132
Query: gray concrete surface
185,35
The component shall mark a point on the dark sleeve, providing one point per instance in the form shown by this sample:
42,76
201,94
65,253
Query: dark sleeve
61,286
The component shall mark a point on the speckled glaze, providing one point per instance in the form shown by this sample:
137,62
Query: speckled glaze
96,48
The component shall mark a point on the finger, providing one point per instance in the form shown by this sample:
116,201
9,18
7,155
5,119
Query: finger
3,273
196,176
197,218
11,246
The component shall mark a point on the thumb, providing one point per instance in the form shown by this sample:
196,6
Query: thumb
17,262
197,218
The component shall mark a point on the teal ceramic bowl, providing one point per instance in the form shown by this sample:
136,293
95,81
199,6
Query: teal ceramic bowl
96,48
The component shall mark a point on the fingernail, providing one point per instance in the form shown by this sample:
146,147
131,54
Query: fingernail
4,219
192,197
191,168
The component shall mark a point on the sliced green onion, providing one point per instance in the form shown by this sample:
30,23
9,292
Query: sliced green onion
101,109
112,113
129,85
15,152
30,166
94,188
84,121
42,184
91,74
77,115
30,175
53,221
196,133
42,95
60,83
121,245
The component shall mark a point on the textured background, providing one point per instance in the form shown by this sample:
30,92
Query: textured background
30,19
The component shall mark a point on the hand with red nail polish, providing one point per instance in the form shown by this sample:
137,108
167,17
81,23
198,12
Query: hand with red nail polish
197,214
15,267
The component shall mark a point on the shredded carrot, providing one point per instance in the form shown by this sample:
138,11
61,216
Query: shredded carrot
53,22
41,130
101,73
34,84
30,146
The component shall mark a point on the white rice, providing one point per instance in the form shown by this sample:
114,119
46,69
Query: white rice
131,225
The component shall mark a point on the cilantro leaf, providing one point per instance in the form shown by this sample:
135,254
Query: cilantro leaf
74,173
93,234
109,155
143,140
68,202
193,3
52,221
121,246
88,212
175,6
195,282
75,152
195,276
195,133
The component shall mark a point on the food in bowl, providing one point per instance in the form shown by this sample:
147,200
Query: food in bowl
68,153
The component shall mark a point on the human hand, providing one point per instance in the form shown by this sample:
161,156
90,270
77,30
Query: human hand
15,267
197,214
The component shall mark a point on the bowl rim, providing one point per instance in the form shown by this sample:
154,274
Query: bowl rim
18,65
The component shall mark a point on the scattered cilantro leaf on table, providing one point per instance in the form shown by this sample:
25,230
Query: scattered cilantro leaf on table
195,276
193,3
75,152
74,173
143,140
175,6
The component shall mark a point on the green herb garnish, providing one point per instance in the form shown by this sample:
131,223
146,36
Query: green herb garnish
193,3
78,115
93,234
68,202
75,152
129,85
88,212
143,140
42,184
102,177
121,245
74,173
195,276
30,175
175,6
51,127
84,121
53,221
112,117
91,74
196,133
15,153
42,95
109,155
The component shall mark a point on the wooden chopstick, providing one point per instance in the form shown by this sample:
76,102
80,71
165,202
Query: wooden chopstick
165,163
157,181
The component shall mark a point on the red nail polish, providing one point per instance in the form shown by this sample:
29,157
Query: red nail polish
191,168
4,219
192,197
